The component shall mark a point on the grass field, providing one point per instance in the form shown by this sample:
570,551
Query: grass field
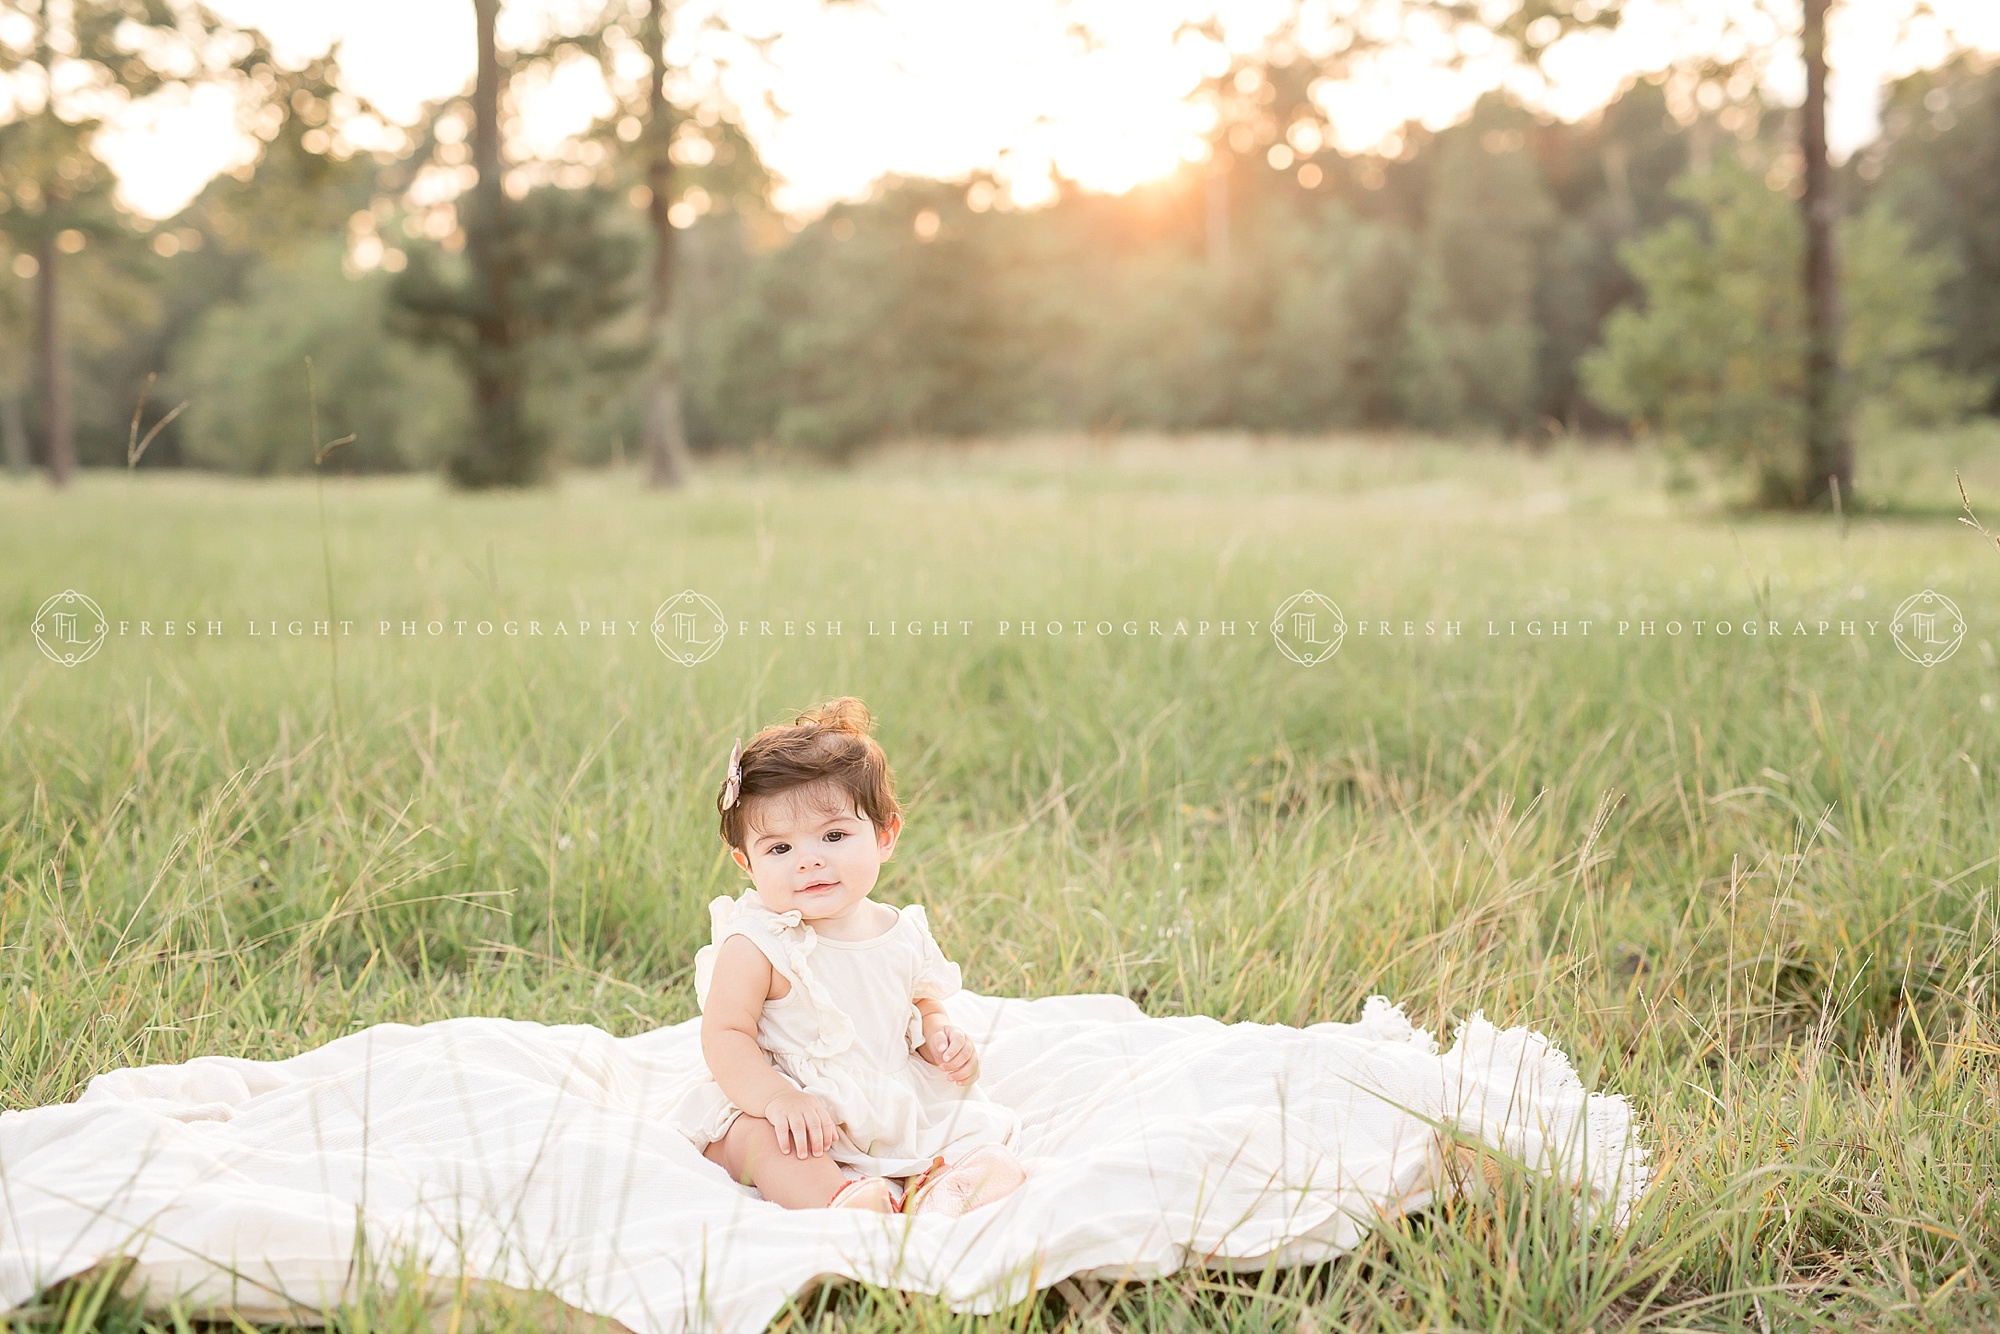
1748,880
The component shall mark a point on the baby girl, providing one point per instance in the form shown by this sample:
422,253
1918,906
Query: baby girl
838,1079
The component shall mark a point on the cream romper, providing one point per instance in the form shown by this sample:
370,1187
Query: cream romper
848,1031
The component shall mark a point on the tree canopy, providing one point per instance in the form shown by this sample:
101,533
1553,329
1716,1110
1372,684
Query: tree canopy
1510,275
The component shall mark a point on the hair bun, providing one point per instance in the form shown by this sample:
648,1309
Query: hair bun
846,714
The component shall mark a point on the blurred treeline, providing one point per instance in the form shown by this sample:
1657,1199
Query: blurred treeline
1464,283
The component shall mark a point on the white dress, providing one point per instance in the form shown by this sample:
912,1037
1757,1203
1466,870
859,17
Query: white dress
848,1032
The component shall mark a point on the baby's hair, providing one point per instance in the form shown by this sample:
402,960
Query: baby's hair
828,744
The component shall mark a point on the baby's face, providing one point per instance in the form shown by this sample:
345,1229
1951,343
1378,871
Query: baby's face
810,849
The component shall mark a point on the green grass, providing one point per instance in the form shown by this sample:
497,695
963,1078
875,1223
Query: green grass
1751,883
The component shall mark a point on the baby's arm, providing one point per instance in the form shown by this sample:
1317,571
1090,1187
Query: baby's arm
947,1046
736,996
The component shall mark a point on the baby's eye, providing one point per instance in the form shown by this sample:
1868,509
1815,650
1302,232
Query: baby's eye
778,849
835,835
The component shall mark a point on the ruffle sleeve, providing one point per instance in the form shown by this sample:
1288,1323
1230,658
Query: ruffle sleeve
720,910
788,944
937,977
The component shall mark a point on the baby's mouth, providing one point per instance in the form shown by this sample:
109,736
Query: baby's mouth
815,888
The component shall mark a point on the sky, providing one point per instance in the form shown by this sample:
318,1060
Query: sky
846,93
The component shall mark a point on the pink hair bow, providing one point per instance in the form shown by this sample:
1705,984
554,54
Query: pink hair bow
733,784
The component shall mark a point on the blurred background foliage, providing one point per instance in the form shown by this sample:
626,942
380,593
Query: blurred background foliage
1508,275
241,366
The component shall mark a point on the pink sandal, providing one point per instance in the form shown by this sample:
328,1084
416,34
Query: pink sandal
981,1177
872,1193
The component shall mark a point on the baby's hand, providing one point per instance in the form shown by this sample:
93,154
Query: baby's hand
805,1127
953,1054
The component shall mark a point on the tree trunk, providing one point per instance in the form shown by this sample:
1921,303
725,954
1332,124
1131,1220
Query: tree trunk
13,434
1829,461
505,451
58,442
663,429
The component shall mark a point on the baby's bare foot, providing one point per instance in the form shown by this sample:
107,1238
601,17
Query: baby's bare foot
983,1176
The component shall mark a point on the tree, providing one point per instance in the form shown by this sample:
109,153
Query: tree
303,184
1938,165
663,427
680,157
1609,177
100,55
557,268
15,341
1472,339
63,191
241,369
898,316
300,187
1718,357
1364,290
1829,461
505,451
550,262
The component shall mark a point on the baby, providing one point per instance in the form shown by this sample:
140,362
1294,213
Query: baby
821,1017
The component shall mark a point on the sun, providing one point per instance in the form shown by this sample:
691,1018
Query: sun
1123,115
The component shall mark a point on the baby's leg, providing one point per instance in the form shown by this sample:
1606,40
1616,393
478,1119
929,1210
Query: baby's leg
749,1153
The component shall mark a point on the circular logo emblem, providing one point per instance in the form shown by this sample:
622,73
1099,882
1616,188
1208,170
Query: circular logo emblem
689,628
69,628
1928,628
1308,628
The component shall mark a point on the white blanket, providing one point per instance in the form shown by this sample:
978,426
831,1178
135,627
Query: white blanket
535,1157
